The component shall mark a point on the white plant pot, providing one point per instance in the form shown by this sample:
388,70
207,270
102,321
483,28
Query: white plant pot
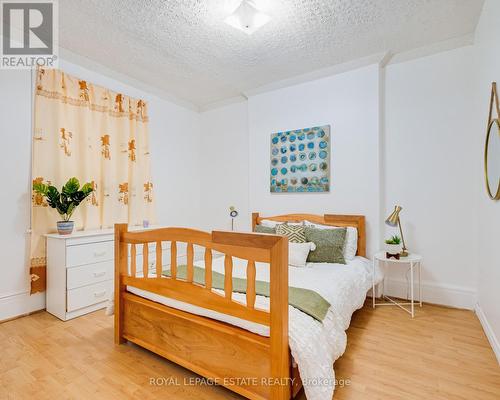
393,248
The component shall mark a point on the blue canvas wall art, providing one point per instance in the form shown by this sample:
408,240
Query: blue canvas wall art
300,160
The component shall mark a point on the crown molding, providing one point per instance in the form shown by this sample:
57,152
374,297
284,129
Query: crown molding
223,103
317,74
82,61
434,48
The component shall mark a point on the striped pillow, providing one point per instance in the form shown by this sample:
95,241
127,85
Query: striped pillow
295,233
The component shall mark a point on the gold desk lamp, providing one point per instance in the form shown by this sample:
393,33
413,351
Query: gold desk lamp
393,220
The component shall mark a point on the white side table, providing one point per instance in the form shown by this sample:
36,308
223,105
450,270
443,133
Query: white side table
413,260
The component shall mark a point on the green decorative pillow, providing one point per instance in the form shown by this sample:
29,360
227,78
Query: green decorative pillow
264,229
295,233
329,245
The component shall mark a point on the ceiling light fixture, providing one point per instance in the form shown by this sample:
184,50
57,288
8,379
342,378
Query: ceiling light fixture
247,18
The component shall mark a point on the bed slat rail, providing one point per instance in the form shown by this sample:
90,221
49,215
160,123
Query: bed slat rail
145,260
190,262
228,276
251,284
173,259
208,269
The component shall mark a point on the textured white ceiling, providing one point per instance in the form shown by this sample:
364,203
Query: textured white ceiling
184,48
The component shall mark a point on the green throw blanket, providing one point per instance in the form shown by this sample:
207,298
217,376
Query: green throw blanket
305,300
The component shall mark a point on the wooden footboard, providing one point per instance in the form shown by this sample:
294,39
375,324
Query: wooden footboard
254,366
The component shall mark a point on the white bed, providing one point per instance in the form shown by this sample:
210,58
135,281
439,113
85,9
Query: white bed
314,345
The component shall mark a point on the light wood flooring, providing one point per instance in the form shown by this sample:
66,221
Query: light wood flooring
441,354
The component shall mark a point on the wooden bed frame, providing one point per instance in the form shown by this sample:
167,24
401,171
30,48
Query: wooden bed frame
251,365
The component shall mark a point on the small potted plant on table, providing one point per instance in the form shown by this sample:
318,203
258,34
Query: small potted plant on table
393,245
65,202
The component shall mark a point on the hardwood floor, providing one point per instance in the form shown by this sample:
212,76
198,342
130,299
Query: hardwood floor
441,354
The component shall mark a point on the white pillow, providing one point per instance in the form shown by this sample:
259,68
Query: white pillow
272,224
351,238
298,252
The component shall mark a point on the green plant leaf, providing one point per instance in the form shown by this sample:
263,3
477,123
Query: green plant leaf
87,189
71,186
40,188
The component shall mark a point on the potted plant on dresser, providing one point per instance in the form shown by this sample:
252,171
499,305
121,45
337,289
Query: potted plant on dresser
65,202
393,245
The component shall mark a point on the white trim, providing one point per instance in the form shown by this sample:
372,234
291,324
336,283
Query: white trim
318,74
434,48
494,342
222,103
21,303
84,62
436,293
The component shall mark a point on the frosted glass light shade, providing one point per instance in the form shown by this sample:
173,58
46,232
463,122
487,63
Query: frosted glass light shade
247,18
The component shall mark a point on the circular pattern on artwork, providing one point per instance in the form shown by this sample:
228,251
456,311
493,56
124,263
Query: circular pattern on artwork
273,181
303,167
284,160
312,155
302,156
283,139
301,136
293,181
323,166
275,151
293,147
274,161
293,157
321,133
304,181
274,171
284,171
324,180
323,144
292,138
302,146
310,145
283,150
314,180
275,140
293,169
310,135
313,167
323,154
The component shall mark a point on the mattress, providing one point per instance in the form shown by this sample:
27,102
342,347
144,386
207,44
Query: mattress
314,345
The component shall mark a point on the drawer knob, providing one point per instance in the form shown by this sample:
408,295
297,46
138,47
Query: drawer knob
99,294
98,274
101,254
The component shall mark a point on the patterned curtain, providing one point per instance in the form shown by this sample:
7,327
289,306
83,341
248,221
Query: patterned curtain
98,136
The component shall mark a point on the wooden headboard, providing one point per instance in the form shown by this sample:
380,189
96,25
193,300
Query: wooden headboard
356,221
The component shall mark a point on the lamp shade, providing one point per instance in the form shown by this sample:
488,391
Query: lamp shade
393,219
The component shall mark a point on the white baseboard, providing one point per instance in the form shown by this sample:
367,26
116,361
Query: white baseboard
494,342
16,304
447,295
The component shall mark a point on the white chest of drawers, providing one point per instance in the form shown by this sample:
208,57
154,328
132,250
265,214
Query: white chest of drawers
80,270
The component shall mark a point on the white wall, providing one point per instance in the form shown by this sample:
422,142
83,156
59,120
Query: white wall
349,103
399,135
174,133
429,171
224,167
487,69
15,200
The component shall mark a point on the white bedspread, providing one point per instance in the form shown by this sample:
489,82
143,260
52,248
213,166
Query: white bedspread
315,346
